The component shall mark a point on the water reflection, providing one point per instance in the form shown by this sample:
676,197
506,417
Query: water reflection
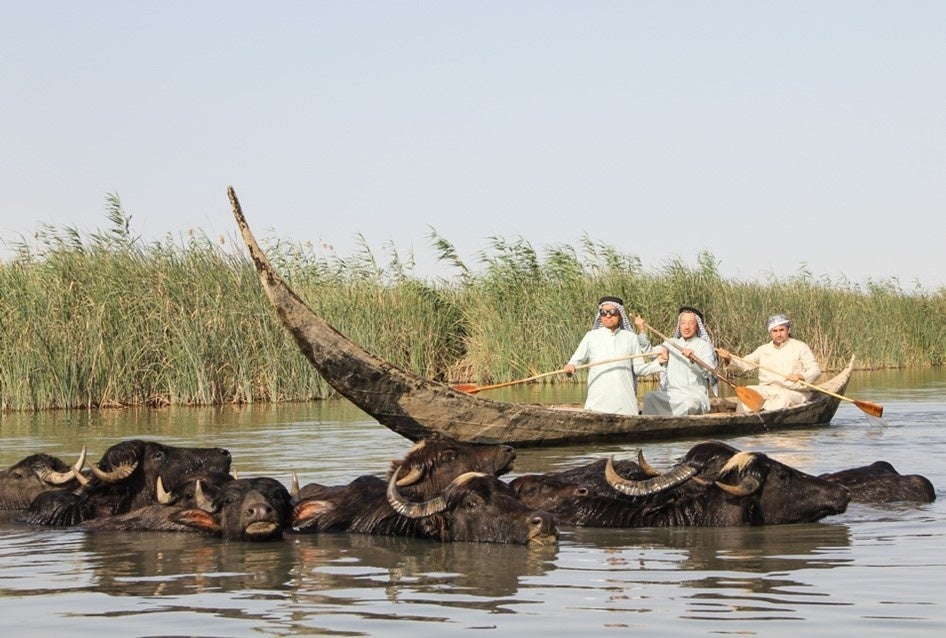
172,564
774,548
481,575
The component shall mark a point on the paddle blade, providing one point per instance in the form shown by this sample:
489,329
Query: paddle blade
750,398
873,409
466,387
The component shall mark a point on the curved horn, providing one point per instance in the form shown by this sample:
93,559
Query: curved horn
120,473
80,462
200,499
52,477
412,477
644,465
747,486
676,476
411,509
294,487
164,497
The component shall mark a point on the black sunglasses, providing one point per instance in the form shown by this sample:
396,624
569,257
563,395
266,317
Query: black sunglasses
609,313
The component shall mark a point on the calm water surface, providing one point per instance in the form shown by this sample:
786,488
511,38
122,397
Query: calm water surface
872,571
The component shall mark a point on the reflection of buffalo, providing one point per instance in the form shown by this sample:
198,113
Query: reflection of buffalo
879,482
479,576
158,564
23,481
713,485
770,562
474,507
125,479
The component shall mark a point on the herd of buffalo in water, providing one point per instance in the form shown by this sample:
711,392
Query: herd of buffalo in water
441,489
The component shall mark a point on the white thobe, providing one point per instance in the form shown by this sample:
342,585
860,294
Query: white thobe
686,382
611,386
792,357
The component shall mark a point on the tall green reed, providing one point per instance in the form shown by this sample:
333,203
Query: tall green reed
106,319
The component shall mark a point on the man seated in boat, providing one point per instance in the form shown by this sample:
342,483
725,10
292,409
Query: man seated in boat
612,386
782,363
684,384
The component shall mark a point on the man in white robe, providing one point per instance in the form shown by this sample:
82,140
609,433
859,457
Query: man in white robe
612,387
788,361
684,384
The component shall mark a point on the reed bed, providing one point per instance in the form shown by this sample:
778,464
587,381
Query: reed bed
105,319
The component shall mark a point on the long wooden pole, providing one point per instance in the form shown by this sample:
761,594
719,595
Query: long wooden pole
473,389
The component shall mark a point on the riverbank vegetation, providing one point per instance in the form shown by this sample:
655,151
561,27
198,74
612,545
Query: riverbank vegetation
106,319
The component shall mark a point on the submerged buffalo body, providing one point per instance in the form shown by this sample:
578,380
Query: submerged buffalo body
125,479
879,482
474,507
714,485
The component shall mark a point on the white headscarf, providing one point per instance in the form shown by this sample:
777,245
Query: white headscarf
778,320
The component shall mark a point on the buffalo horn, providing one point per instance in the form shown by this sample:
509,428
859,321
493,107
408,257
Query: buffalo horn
676,476
411,509
748,485
412,477
120,473
645,466
294,487
164,497
200,499
59,478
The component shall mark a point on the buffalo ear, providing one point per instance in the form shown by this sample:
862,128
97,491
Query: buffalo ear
307,512
198,519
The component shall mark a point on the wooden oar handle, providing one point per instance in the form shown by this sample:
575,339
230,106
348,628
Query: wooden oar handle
785,376
474,390
692,356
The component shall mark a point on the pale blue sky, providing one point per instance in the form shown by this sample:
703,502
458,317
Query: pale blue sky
774,135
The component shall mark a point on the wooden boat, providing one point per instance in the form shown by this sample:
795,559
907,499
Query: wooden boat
416,408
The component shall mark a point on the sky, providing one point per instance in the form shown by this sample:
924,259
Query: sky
782,138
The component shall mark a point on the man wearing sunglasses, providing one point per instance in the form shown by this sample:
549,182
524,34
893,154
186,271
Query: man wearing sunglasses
612,387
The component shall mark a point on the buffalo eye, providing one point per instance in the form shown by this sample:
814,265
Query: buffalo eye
449,456
473,502
157,456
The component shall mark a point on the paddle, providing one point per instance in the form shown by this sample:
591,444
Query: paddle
473,389
750,398
871,408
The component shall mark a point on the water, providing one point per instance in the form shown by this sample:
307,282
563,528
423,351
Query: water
872,571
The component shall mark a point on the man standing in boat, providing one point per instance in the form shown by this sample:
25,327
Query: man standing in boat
683,383
612,387
782,363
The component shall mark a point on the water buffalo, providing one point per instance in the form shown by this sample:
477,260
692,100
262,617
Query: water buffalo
125,479
714,485
430,465
23,481
474,507
879,482
254,509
